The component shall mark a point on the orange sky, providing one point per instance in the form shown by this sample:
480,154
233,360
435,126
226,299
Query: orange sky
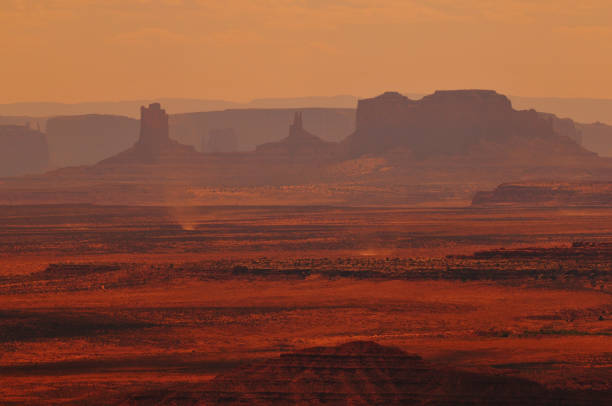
79,50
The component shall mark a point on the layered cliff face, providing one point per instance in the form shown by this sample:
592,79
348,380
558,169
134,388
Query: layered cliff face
299,144
564,127
22,151
445,123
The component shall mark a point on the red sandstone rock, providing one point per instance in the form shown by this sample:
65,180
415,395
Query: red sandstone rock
299,142
564,127
154,144
363,373
446,122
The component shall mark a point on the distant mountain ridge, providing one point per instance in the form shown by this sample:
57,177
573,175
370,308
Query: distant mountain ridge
438,149
130,108
582,110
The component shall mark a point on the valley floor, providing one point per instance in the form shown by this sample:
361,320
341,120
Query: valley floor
100,302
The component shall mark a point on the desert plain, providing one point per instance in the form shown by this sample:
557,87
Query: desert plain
109,304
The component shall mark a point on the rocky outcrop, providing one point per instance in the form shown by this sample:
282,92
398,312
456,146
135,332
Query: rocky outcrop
441,148
32,122
444,123
575,194
259,126
154,129
564,127
88,139
220,140
22,151
299,143
362,373
154,144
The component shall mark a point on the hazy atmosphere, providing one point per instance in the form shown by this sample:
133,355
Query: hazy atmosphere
83,50
305,202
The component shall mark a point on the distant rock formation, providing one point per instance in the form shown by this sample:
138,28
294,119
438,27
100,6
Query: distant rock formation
362,373
444,123
22,151
220,140
39,123
260,126
299,143
564,127
154,144
88,139
552,194
154,130
441,148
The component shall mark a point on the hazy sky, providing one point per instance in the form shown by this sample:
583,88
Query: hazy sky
78,50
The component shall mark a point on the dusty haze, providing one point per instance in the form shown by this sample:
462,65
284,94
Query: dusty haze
305,202
76,50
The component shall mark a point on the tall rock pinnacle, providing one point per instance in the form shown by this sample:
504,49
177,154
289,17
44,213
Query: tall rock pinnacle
300,143
154,144
154,130
297,127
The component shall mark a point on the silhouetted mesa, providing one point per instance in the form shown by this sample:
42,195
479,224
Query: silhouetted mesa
88,139
22,150
299,142
564,127
446,122
259,126
154,144
362,373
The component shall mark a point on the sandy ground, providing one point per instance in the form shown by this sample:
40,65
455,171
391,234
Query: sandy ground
174,312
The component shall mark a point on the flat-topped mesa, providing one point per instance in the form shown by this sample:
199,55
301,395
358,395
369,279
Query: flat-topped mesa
446,122
471,98
299,143
154,129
